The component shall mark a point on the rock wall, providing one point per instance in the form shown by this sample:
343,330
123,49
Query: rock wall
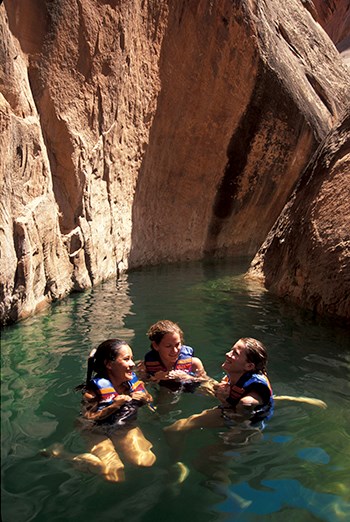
239,114
79,91
334,17
147,131
314,272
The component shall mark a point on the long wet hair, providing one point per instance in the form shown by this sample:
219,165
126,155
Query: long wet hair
106,351
256,353
157,331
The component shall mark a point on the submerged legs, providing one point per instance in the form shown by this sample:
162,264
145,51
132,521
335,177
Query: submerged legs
206,419
103,457
112,466
135,447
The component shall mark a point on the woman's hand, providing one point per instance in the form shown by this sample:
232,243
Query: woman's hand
222,391
159,376
119,401
91,411
179,374
89,396
142,396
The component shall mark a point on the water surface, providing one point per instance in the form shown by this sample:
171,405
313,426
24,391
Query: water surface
298,469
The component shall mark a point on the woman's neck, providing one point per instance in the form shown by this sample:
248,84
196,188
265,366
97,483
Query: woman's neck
119,386
168,366
235,376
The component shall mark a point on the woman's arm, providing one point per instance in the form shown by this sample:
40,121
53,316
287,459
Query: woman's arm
245,407
198,368
198,372
142,396
222,392
90,409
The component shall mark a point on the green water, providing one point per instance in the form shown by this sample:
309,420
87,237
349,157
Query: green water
297,470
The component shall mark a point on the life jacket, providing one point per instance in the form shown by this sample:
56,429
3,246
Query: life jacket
154,364
107,393
247,383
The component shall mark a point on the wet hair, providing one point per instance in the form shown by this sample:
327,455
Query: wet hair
157,331
106,351
256,353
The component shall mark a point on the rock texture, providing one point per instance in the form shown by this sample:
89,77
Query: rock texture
79,90
251,99
140,132
334,17
314,272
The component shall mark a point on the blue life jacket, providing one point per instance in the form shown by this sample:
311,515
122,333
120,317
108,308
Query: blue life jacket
245,385
107,393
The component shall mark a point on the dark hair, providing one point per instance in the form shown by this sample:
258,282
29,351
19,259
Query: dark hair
256,353
157,331
106,351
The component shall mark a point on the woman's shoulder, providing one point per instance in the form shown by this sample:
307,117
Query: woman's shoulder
260,383
100,383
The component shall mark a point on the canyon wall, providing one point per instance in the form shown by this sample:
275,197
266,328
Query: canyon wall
334,17
314,272
146,131
79,91
239,114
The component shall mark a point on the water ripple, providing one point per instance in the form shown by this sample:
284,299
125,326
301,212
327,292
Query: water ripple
299,465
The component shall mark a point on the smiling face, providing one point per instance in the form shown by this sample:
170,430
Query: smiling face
236,362
120,370
168,348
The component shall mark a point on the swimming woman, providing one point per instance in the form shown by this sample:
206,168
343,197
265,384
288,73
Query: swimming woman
112,394
170,362
245,393
110,402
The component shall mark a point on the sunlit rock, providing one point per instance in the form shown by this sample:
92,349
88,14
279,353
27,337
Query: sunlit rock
306,256
139,132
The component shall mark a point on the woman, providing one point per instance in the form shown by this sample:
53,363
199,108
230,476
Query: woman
111,396
170,362
245,393
246,403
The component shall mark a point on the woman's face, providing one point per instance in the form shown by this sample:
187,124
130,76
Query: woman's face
121,368
236,359
169,349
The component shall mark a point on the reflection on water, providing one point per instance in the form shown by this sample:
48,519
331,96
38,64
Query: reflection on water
297,469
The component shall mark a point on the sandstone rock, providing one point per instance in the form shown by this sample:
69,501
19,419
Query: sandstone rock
34,266
146,132
240,113
334,17
79,84
306,256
